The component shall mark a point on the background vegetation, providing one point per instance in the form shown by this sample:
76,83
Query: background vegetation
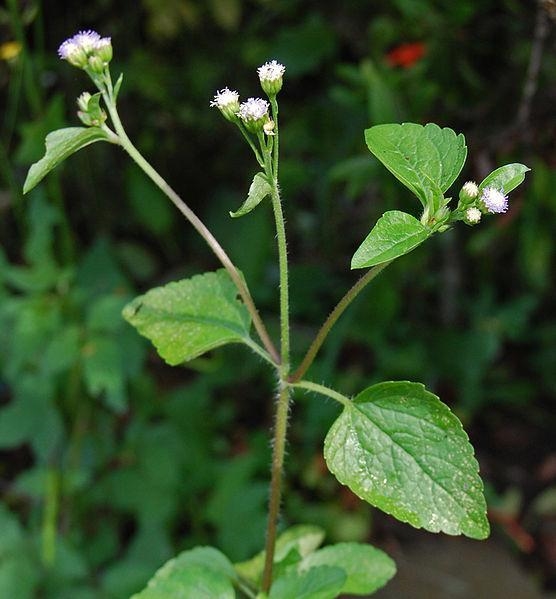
110,461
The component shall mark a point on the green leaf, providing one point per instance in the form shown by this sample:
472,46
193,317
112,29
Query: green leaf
322,582
398,447
506,178
258,191
304,538
367,568
427,160
188,318
59,145
395,234
203,573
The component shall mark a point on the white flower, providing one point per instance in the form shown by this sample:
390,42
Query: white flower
225,98
494,200
271,71
471,189
254,109
473,216
270,76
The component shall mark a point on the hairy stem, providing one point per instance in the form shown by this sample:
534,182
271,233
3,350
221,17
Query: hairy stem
279,449
282,408
332,319
198,225
322,390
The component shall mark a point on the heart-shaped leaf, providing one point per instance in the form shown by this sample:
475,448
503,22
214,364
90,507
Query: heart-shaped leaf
59,145
426,159
258,191
188,318
397,446
506,178
395,234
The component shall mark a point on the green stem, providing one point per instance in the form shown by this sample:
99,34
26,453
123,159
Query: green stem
274,106
334,316
279,449
282,408
284,281
197,224
344,400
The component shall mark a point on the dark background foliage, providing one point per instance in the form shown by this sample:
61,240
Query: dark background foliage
111,461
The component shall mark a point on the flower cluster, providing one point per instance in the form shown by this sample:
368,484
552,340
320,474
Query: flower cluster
87,50
253,114
474,202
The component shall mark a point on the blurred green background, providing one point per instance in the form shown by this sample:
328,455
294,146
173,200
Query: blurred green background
111,461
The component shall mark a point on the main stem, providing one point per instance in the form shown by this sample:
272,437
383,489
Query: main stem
283,399
198,225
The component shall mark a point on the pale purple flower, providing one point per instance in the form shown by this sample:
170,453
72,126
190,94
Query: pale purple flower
83,45
494,200
84,40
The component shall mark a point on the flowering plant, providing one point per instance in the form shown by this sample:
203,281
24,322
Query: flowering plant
395,444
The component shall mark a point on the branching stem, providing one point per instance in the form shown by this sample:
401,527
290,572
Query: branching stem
333,318
198,225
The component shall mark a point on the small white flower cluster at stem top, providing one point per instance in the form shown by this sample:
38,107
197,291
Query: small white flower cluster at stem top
87,49
254,112
475,202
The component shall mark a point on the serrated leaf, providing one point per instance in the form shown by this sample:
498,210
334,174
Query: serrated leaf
59,145
322,582
395,234
506,178
367,568
427,160
398,447
303,538
188,318
258,191
203,573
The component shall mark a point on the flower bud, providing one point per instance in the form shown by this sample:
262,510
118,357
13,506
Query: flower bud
469,193
83,101
270,76
472,216
268,127
96,64
227,101
104,50
254,114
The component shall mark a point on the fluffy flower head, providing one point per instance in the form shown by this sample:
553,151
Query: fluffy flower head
84,45
225,98
254,113
494,200
270,76
471,189
271,71
473,216
227,101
